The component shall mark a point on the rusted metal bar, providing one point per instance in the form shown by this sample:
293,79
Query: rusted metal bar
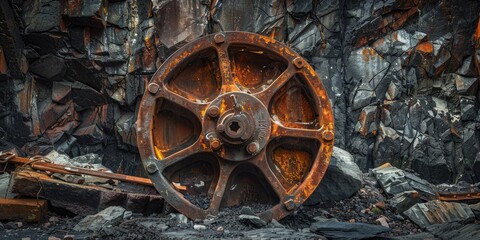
38,163
459,196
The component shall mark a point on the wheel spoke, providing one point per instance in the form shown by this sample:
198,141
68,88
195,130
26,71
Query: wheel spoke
266,95
196,108
228,83
179,156
278,130
226,170
261,162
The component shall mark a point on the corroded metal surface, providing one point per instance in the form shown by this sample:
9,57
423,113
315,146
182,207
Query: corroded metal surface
235,119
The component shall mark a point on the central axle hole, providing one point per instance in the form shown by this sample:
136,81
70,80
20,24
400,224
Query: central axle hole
234,126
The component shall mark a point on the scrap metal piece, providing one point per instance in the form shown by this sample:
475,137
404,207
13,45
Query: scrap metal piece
43,164
245,115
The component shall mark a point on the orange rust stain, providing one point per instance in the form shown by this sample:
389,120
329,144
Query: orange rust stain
293,164
267,40
293,104
253,67
426,47
401,18
3,62
362,41
476,35
368,54
199,78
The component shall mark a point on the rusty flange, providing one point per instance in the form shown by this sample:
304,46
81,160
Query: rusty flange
232,119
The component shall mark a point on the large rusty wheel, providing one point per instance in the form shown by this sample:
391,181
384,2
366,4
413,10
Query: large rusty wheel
234,119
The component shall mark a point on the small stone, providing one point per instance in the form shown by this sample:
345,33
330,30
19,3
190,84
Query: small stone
247,211
276,224
382,221
181,219
209,221
351,220
27,238
108,230
380,205
19,224
376,210
53,238
323,219
220,229
199,227
47,225
69,237
53,219
155,226
127,214
253,220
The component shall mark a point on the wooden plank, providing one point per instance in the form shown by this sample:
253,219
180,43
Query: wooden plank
29,210
86,199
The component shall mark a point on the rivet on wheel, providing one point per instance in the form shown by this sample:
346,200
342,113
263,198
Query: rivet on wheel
215,144
327,135
252,147
153,88
213,112
219,38
152,168
298,62
289,204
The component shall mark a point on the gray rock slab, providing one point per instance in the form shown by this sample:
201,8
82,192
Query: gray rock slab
279,233
109,216
438,212
345,230
395,181
342,179
455,231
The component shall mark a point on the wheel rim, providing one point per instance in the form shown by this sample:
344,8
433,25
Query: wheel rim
232,110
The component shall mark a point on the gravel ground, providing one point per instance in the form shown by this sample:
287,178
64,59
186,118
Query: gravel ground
368,205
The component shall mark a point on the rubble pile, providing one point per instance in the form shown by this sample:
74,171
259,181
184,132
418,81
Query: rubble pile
372,212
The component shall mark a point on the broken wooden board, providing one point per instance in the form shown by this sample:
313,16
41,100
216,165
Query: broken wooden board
86,199
29,210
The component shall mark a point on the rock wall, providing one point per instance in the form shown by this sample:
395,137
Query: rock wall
402,75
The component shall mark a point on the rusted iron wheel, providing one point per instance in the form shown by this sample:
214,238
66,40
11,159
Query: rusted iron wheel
235,119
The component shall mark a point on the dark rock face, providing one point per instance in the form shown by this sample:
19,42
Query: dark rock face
402,75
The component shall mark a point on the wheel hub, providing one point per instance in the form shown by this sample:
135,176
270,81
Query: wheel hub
240,122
